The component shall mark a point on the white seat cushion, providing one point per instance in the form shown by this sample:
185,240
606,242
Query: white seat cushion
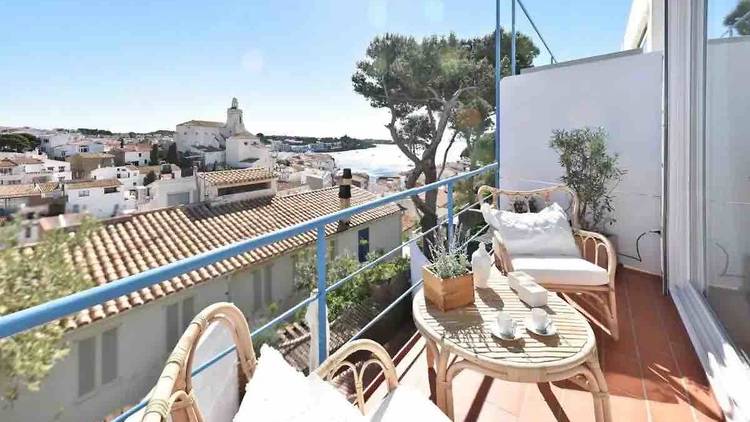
544,233
407,404
279,393
561,270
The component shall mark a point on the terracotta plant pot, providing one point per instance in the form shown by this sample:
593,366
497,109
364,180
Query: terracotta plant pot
449,293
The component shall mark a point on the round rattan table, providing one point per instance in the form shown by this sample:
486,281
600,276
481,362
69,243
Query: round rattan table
464,334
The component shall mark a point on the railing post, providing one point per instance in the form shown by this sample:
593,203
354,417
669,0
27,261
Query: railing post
513,38
498,75
450,214
320,246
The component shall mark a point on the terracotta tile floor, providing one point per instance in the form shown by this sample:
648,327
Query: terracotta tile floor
652,372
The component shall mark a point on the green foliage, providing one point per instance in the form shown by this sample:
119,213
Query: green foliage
267,336
440,87
449,259
18,142
590,171
94,132
154,155
149,178
30,276
354,291
172,154
482,153
739,18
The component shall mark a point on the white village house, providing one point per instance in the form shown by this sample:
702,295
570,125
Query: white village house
133,154
64,144
222,144
129,175
101,198
18,169
101,373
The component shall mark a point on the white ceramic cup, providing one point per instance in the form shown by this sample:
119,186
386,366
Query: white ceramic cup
539,319
505,324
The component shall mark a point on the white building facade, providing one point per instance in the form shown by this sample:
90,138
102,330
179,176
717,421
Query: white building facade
16,169
129,176
222,144
100,198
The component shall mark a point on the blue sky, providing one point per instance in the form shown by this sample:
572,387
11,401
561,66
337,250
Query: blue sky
146,65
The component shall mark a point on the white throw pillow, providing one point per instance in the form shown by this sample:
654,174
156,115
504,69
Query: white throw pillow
546,232
489,216
407,404
279,393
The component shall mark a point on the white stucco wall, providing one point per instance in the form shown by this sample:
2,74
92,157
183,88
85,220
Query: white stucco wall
188,136
129,178
97,203
621,94
160,190
243,147
141,340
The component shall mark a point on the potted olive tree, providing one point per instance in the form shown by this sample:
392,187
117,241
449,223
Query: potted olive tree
591,171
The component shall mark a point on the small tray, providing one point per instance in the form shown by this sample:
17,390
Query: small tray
550,331
495,331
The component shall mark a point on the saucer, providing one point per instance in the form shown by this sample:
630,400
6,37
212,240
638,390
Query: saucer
495,330
550,330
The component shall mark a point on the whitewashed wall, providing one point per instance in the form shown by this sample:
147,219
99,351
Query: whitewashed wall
623,94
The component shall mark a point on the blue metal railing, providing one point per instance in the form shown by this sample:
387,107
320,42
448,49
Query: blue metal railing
281,317
513,69
64,306
51,311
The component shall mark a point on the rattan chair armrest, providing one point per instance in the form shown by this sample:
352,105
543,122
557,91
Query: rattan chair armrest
600,242
380,356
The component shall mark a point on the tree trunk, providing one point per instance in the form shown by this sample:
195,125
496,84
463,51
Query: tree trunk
429,208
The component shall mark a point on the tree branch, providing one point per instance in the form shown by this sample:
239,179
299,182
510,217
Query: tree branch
445,155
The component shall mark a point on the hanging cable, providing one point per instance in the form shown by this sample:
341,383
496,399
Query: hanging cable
638,247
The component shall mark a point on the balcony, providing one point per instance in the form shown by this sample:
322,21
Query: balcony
150,273
652,372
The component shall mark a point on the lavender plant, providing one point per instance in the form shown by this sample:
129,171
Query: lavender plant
449,258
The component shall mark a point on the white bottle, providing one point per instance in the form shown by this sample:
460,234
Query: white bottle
481,263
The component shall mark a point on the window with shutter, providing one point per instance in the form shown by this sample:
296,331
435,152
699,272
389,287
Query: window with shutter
257,293
363,244
188,311
86,365
109,355
267,286
173,325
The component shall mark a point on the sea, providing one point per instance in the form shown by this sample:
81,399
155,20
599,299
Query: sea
388,160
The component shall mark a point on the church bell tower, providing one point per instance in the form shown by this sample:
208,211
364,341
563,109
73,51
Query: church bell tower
235,125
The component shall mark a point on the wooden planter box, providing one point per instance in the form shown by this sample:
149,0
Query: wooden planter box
450,293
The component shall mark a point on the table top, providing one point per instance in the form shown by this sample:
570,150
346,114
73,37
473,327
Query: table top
466,331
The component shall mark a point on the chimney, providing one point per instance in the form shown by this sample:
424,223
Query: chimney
345,192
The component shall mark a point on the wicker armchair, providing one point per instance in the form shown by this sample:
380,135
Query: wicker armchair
173,393
594,247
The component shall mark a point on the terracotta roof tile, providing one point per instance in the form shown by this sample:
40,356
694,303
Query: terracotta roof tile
139,242
231,177
24,190
88,184
22,159
135,148
202,123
